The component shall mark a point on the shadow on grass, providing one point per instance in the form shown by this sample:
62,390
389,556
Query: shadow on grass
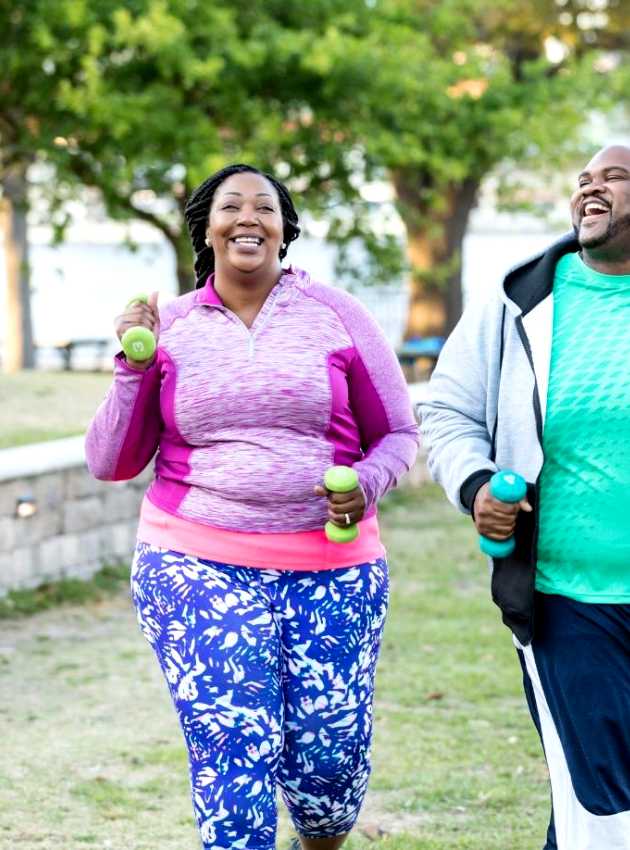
69,591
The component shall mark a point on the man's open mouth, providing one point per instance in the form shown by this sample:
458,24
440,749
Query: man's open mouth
592,209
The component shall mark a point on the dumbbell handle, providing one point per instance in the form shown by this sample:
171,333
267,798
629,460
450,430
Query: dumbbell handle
138,342
341,479
506,486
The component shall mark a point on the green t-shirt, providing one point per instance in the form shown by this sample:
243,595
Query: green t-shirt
584,521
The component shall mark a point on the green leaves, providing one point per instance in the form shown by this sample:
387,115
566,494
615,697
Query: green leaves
325,93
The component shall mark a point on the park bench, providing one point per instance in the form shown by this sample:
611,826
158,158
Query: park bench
68,349
418,356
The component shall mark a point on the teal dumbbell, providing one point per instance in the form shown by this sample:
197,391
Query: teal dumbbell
506,486
341,479
138,343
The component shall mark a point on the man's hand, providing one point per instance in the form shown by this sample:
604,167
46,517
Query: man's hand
495,519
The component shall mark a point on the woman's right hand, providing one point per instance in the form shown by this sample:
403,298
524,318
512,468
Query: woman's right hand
139,313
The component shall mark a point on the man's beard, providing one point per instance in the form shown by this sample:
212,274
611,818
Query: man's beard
615,227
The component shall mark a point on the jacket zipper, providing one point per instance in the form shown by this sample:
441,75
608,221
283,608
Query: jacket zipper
251,335
536,397
539,432
254,334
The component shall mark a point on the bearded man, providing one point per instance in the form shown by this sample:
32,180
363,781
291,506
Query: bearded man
537,380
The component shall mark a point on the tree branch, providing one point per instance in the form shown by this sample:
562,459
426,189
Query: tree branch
83,169
169,232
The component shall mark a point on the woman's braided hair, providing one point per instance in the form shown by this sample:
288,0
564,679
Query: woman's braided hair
197,211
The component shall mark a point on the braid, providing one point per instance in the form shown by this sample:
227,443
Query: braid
197,211
204,264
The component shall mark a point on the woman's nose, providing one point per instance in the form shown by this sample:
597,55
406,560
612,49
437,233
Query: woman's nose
247,215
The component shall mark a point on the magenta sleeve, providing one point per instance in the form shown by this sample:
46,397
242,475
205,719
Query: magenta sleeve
380,402
389,434
123,436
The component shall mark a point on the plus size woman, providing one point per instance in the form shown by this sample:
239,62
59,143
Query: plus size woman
267,633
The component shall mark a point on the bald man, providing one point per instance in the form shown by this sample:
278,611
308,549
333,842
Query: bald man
538,380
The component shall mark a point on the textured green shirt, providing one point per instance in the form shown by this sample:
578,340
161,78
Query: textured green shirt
584,520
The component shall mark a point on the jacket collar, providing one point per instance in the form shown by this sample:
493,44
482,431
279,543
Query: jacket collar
527,284
208,295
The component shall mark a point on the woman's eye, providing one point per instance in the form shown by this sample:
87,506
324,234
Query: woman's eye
266,209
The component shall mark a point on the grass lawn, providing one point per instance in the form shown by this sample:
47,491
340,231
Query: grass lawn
37,406
93,755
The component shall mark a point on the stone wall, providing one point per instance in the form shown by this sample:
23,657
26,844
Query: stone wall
79,524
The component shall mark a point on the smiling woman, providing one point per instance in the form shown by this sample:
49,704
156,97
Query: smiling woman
245,235
245,224
240,197
267,633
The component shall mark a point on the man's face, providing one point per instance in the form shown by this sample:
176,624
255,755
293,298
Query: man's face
600,206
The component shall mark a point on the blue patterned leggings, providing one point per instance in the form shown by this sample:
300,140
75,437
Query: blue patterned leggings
272,676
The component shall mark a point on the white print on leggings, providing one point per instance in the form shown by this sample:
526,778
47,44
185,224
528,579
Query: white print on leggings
272,676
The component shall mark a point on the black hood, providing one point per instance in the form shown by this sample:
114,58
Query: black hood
527,284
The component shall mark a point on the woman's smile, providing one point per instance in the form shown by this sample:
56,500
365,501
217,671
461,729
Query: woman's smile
245,226
247,244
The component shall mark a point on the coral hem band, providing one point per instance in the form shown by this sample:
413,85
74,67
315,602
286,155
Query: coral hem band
300,550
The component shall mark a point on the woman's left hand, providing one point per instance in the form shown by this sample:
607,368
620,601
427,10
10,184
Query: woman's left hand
344,508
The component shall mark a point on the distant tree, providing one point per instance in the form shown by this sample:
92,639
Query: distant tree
28,117
174,90
465,85
142,99
43,44
431,95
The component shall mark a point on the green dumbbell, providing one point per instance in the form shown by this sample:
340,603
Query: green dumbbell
341,479
506,486
138,343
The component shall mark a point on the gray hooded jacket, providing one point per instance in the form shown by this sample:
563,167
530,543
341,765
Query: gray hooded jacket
485,410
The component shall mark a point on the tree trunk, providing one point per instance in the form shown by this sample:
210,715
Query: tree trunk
435,236
184,267
18,334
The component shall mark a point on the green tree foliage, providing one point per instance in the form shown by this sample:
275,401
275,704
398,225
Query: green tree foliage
43,46
464,85
171,91
30,116
432,94
143,99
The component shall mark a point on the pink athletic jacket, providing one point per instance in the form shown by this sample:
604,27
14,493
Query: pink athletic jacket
245,421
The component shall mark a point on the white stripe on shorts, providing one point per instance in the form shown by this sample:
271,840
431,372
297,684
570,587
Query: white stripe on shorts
576,827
